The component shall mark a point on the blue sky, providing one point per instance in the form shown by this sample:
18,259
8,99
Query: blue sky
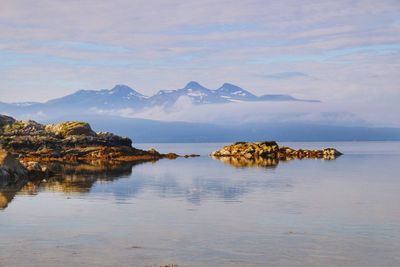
342,52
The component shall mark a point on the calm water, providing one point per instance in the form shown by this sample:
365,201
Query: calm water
203,212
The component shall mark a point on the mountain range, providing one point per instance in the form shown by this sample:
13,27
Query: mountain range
78,106
122,96
84,105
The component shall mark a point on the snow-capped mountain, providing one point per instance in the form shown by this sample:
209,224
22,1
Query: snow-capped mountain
122,97
118,97
233,93
199,94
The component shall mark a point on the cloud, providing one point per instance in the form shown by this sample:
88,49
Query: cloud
285,75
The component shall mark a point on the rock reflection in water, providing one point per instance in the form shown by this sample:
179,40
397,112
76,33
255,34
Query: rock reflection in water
7,192
242,162
70,179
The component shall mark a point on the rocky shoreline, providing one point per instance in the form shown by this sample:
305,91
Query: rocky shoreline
37,145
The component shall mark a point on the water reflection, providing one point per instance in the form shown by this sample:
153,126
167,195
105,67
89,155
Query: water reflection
171,186
8,192
71,178
242,162
202,212
98,177
166,180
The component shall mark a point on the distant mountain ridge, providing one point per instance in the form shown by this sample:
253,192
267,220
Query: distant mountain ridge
123,96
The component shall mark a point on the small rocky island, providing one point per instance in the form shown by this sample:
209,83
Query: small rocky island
267,154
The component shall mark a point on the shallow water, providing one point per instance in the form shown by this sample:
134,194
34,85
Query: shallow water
203,212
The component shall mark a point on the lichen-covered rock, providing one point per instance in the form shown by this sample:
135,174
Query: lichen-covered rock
267,149
6,120
71,128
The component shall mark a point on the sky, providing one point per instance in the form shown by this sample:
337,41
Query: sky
344,53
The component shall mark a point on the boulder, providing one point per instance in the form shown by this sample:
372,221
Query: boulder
70,128
249,150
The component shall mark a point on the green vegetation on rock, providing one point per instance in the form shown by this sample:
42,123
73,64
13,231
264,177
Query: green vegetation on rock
12,128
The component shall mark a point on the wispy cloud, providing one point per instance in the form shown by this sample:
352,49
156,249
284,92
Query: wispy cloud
332,55
285,75
81,46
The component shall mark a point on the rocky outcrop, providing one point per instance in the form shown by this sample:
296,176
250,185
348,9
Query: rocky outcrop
268,153
30,141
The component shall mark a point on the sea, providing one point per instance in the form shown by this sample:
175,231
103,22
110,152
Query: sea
206,212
